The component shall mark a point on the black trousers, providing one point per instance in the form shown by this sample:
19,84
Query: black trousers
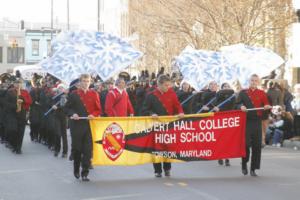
20,135
158,167
253,143
61,134
34,131
16,136
297,125
82,148
2,133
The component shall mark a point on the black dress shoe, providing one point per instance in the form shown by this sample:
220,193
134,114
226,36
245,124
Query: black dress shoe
252,173
18,151
71,157
244,169
85,179
157,175
220,162
227,163
76,174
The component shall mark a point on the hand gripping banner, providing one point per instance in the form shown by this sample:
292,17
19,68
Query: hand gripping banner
140,140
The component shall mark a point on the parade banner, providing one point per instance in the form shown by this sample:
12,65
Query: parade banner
140,140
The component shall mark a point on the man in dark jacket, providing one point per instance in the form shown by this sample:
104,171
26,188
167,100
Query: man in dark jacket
160,102
253,98
83,102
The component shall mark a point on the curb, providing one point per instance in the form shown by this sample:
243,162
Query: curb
291,144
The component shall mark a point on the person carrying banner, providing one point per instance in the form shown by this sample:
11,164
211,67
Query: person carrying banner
83,102
160,102
225,98
253,98
117,103
74,85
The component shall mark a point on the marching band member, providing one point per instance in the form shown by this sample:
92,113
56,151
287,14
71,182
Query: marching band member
225,94
253,98
60,121
183,94
162,101
117,101
83,102
208,96
17,102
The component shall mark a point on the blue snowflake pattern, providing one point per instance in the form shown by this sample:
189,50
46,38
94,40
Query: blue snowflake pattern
78,52
199,67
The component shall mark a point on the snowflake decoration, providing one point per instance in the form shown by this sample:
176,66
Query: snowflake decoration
78,52
199,67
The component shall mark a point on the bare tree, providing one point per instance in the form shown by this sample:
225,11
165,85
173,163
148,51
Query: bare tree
209,24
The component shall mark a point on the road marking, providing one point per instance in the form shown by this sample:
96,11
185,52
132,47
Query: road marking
115,197
182,184
169,184
19,171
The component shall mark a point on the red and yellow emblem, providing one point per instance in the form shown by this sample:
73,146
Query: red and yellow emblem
113,141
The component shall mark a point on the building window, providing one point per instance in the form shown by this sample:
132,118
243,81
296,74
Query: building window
48,47
15,55
1,54
35,47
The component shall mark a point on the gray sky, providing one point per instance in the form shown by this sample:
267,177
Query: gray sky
82,12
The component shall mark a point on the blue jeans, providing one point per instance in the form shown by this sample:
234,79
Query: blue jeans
277,136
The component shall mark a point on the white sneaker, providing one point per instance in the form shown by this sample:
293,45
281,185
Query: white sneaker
278,145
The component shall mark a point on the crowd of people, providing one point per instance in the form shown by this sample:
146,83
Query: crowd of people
50,108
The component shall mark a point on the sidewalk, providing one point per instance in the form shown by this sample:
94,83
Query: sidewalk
293,143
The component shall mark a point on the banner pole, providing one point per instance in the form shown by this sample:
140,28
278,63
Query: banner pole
80,118
252,109
135,117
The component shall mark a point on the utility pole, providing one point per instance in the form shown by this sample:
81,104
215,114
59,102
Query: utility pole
98,16
51,19
68,15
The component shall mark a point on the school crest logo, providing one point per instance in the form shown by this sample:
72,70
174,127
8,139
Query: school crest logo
113,141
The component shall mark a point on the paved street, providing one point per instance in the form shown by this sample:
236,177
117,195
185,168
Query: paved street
37,175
